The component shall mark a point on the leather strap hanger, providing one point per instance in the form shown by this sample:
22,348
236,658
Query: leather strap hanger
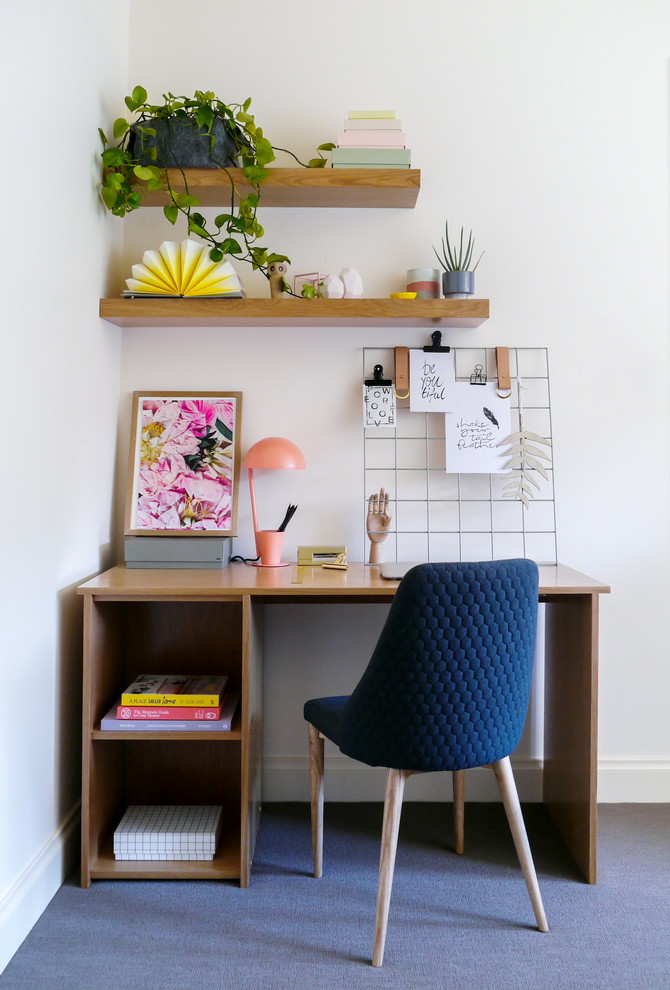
401,387
504,389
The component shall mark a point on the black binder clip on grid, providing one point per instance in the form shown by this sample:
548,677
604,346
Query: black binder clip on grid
378,377
478,376
437,347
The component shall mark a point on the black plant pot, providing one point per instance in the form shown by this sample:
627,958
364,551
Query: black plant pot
180,143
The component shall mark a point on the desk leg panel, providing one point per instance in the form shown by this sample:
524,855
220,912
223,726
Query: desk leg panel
571,724
252,745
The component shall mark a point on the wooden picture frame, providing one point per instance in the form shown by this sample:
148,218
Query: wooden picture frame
183,474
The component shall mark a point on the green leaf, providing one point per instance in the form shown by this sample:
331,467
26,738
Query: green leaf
103,137
308,291
216,255
255,174
223,219
144,172
204,116
139,95
231,246
317,163
115,180
121,125
195,228
185,201
326,147
113,157
221,427
171,212
109,195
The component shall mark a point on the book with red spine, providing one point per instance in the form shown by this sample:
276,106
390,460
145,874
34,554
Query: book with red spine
111,721
168,713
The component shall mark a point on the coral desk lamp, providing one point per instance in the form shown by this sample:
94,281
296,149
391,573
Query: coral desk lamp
271,454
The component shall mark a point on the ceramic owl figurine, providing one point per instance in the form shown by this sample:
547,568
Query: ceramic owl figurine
276,273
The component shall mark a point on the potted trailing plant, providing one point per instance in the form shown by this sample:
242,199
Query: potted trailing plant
199,131
458,278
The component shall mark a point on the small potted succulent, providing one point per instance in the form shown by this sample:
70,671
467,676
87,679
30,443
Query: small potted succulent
193,132
458,277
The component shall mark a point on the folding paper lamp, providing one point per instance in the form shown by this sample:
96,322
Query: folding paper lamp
271,454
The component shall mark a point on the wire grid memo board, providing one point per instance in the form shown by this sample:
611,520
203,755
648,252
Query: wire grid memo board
440,516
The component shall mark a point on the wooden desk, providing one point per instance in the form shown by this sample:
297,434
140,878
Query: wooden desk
179,621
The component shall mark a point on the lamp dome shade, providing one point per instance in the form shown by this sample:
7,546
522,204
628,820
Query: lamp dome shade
274,453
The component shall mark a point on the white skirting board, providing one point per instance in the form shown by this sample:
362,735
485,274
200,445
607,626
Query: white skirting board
619,781
25,899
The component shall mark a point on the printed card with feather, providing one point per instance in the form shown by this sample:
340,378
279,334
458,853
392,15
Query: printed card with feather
479,421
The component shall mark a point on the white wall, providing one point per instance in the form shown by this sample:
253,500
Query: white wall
62,66
545,128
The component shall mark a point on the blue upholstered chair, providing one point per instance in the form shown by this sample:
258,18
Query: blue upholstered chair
447,688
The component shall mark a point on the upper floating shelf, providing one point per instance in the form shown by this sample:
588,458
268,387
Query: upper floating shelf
294,312
391,188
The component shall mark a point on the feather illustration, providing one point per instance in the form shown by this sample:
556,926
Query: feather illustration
489,415
524,463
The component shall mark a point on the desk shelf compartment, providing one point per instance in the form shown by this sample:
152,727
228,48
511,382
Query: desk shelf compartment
123,638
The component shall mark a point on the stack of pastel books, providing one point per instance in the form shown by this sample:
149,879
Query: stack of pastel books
168,832
177,703
371,139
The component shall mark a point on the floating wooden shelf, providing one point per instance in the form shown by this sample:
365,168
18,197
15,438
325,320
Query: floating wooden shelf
294,312
392,188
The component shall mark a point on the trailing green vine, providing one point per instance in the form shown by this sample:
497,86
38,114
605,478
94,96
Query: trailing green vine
129,172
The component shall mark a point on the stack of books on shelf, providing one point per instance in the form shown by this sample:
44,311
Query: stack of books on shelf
371,139
176,703
168,832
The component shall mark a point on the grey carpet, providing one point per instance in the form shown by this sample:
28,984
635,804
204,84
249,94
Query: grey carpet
458,923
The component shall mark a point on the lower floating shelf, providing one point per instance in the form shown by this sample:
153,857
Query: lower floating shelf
293,311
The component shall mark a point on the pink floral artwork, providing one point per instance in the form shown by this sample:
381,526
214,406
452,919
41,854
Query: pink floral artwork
184,463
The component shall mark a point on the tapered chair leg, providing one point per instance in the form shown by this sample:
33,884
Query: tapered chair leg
395,786
505,778
316,746
458,784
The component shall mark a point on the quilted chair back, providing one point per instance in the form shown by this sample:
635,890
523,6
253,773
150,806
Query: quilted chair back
448,684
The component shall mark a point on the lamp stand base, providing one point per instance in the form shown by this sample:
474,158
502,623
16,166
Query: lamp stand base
258,563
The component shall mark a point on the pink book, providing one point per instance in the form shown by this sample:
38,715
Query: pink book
371,139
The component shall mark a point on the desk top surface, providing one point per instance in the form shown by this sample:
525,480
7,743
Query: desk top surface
359,581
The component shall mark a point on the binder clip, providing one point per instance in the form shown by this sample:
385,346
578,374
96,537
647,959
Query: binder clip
378,377
478,376
436,346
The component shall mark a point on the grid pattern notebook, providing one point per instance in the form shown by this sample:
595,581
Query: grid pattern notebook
441,516
168,832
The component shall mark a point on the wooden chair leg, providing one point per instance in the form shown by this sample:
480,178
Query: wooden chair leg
458,783
505,778
395,785
316,746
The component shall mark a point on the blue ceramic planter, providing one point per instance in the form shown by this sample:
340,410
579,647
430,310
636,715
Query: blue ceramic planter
458,285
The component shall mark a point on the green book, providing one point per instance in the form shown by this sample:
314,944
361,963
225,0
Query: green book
371,156
365,165
372,114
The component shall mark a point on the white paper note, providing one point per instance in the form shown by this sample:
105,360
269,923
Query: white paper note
432,376
379,401
479,420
